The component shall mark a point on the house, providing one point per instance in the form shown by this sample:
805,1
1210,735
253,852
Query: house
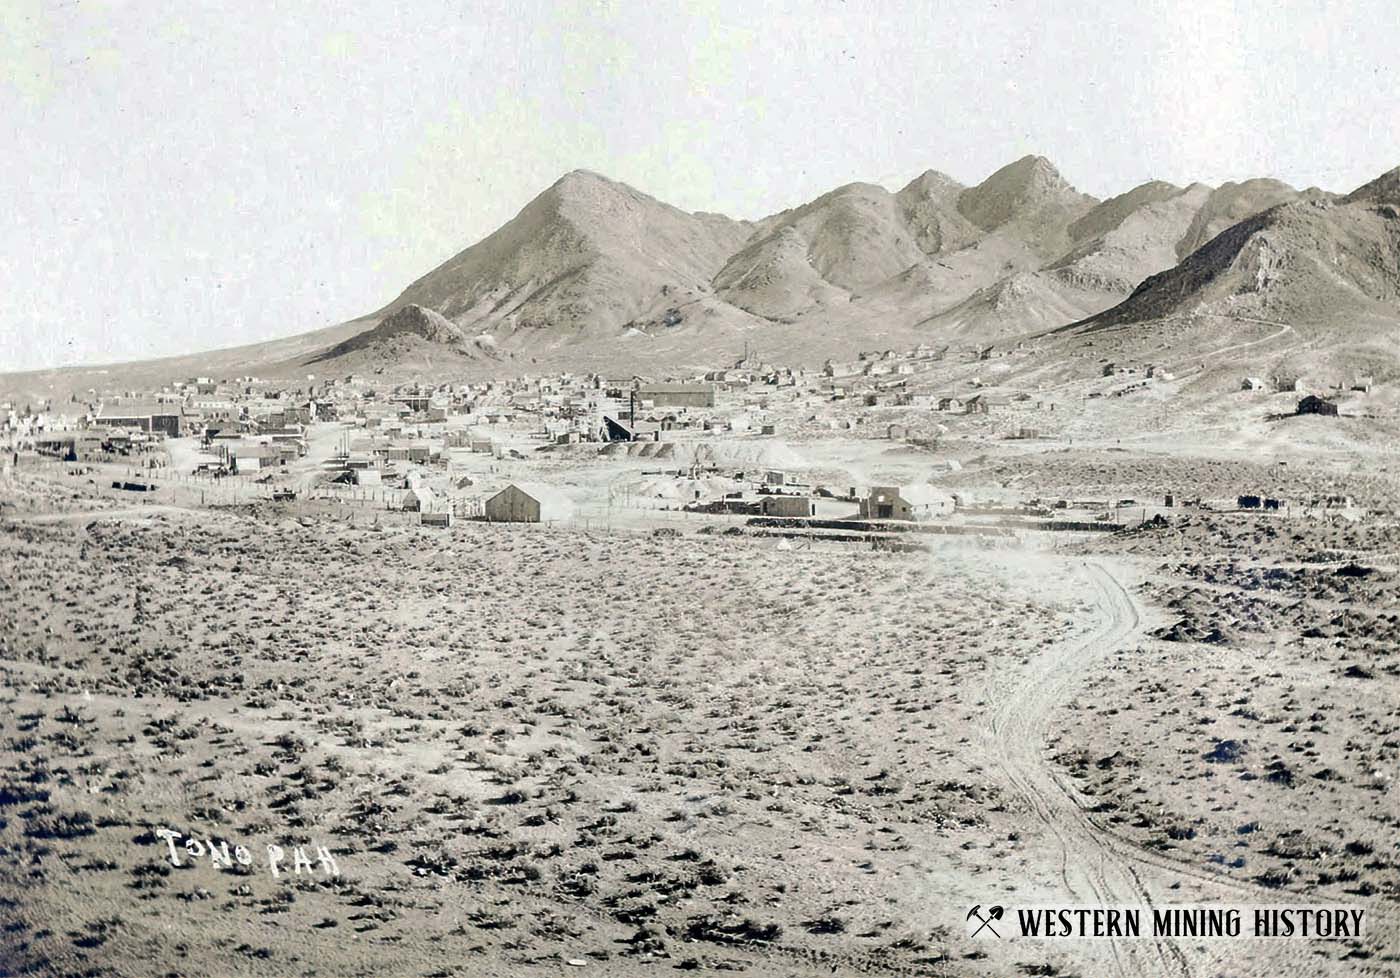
1253,384
1363,384
897,432
987,403
788,506
528,502
915,503
1312,404
951,402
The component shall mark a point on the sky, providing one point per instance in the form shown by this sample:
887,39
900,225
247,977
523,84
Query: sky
195,175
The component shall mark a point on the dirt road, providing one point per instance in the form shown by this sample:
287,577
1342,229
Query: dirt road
1092,868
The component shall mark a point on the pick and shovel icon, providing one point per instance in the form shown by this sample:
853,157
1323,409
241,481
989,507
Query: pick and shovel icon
993,913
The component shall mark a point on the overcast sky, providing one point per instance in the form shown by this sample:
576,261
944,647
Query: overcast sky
183,176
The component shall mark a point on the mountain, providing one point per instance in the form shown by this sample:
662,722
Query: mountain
844,242
587,255
1115,245
926,247
1029,200
1229,204
1316,260
1127,238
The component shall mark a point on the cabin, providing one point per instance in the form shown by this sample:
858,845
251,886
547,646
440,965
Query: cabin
1253,384
528,502
1312,404
987,403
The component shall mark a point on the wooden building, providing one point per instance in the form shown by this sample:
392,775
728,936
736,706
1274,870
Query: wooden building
915,503
1312,404
528,502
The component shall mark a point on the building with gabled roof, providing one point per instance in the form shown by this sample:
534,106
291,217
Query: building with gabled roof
528,502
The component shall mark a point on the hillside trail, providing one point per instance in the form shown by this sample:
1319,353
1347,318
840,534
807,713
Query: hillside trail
1093,870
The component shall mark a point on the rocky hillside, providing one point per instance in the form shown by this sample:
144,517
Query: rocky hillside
1316,260
587,255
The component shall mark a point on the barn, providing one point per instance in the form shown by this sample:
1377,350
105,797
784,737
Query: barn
528,502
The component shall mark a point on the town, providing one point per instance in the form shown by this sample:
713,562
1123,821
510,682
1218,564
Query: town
865,446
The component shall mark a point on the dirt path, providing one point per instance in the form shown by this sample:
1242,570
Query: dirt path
1092,868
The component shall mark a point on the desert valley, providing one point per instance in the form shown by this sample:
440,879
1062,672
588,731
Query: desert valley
645,591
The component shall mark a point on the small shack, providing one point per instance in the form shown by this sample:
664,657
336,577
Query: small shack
419,499
528,502
1312,404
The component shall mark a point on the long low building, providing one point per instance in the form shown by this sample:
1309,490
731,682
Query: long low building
677,395
150,416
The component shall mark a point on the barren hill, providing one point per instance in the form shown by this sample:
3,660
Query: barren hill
1029,200
844,242
1116,245
913,253
588,253
1310,261
1229,204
